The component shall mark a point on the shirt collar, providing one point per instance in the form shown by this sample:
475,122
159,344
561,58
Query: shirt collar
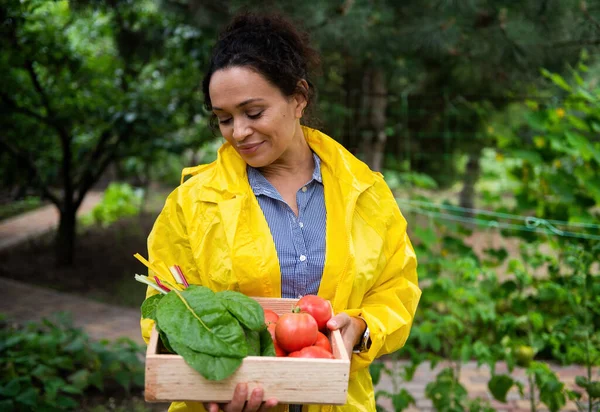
261,186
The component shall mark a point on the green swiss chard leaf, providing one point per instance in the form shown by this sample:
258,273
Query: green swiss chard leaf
165,341
253,341
198,318
246,310
149,306
211,367
267,348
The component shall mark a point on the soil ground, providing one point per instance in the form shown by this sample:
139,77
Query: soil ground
104,265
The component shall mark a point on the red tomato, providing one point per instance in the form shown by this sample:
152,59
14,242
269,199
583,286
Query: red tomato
270,316
323,342
311,352
295,331
278,351
319,308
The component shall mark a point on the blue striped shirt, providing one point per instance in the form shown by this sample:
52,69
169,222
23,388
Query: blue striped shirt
299,241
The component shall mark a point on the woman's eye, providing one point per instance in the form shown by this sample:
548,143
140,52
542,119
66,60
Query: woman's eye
224,121
254,115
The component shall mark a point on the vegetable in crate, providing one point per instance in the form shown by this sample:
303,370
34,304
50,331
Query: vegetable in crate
213,332
317,307
295,331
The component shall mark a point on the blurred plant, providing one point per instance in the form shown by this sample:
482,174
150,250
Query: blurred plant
119,200
492,308
51,365
556,148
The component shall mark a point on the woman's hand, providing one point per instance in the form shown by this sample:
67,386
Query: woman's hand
351,329
239,404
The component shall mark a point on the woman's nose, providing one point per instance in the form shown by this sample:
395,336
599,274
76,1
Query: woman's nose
240,130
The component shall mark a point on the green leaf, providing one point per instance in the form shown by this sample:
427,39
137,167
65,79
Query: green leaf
29,397
402,400
66,402
375,369
11,389
267,347
427,236
71,389
581,381
202,322
96,379
253,341
165,341
211,367
52,386
557,80
583,145
149,306
80,379
123,378
552,395
246,310
499,386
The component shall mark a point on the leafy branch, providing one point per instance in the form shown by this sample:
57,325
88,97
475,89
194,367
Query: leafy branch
26,160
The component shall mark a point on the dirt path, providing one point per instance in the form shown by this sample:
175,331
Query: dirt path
37,222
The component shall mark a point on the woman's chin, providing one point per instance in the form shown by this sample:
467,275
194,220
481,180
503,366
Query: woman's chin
256,161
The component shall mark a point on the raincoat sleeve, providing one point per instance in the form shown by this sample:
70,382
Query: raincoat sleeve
168,243
389,306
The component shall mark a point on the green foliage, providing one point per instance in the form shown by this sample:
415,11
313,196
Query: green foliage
492,308
51,365
555,151
119,200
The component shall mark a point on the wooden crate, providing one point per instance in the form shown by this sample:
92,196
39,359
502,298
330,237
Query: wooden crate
289,380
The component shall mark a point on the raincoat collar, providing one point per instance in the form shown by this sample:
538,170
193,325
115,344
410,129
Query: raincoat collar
230,177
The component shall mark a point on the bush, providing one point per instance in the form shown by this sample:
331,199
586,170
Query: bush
119,200
51,365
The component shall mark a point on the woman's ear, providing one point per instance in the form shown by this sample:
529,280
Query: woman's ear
301,97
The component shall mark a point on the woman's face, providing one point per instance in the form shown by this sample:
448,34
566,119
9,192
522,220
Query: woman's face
254,116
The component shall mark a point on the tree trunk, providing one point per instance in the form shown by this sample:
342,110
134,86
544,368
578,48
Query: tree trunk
374,105
65,237
472,171
378,115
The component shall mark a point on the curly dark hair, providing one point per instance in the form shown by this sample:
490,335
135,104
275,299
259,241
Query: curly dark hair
272,46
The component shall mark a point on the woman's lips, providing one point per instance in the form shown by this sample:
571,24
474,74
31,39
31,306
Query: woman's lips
251,148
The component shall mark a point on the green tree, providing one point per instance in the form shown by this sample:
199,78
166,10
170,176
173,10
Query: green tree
457,61
88,83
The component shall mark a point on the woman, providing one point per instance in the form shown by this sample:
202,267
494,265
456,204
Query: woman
286,211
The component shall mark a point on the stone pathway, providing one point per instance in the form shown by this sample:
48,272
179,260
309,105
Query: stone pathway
475,380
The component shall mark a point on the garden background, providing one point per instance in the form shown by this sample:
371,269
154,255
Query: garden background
483,115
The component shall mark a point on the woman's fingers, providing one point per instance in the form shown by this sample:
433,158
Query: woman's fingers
255,401
238,402
338,321
268,404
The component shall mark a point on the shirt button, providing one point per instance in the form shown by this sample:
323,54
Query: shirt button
301,224
304,189
302,258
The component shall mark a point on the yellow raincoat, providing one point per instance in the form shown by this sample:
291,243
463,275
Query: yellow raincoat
213,228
